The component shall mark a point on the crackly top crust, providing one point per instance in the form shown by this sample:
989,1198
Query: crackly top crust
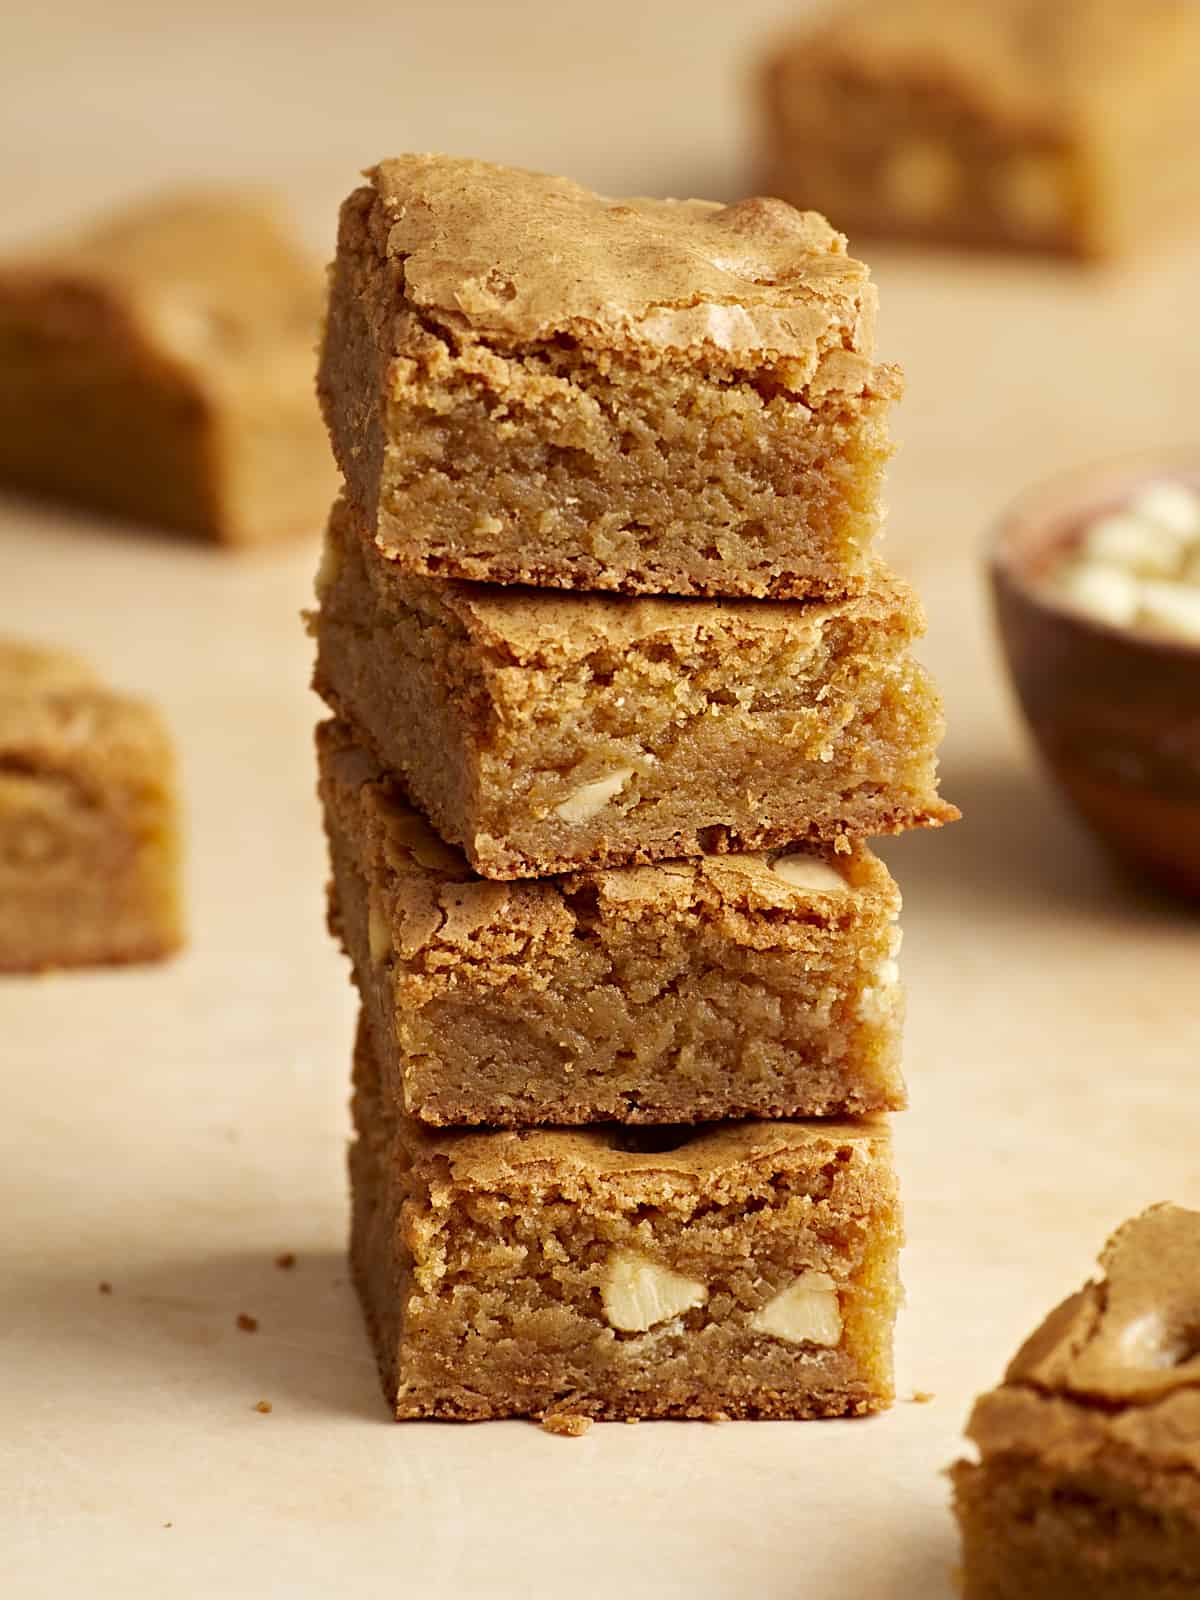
508,256
1114,1371
211,279
28,669
1022,56
546,628
706,1154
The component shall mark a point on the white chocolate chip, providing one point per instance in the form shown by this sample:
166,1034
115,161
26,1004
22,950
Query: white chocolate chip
591,798
1174,607
806,1312
1172,506
637,1292
809,872
488,524
1106,593
1139,546
379,935
920,178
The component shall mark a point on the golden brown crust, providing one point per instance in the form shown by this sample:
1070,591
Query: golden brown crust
506,255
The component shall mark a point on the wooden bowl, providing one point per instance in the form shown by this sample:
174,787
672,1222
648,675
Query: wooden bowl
1115,713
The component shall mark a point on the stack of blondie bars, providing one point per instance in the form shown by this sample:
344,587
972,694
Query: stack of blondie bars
618,690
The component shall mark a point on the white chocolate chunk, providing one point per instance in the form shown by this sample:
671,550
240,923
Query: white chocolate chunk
1172,606
1144,1343
1172,506
637,1292
1134,543
379,935
1106,593
591,798
807,872
806,1312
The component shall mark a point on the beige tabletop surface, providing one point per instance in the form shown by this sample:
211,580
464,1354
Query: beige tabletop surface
171,1131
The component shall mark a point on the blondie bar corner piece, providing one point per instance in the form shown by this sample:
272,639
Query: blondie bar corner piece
742,1270
545,731
158,367
1069,130
89,824
1087,1485
758,985
526,382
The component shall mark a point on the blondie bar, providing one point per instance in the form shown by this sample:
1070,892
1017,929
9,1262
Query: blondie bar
159,367
88,828
729,986
529,383
744,1270
547,731
1088,1483
1071,127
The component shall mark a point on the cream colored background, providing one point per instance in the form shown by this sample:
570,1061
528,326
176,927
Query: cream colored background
172,1130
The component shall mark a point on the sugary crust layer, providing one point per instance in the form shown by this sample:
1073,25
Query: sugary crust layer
506,255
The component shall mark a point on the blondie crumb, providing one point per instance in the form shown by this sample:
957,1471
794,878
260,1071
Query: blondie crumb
247,1323
263,1406
566,1423
286,1261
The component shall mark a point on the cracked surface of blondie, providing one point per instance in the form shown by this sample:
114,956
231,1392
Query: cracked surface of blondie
527,382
